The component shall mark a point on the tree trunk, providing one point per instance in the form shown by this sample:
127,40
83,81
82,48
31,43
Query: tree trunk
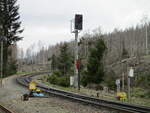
5,61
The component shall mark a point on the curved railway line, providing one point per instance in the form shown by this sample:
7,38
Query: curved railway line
24,80
4,109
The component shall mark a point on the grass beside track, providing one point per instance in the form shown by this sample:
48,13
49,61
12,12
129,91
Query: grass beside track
23,73
102,94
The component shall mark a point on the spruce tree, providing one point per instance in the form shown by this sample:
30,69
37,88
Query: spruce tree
65,59
54,62
95,69
10,27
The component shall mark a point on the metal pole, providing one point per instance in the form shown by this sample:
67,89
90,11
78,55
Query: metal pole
76,59
1,63
71,26
79,77
128,88
122,81
118,88
146,41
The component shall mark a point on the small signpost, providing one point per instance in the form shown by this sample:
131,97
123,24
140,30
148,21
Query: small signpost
118,85
71,80
130,74
117,81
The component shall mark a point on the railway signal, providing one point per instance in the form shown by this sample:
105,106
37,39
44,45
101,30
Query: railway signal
78,21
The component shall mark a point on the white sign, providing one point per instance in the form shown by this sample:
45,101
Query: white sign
117,81
71,80
131,72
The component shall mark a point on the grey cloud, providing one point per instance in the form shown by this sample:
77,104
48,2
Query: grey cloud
55,15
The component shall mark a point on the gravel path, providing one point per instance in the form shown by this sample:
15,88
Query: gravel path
10,96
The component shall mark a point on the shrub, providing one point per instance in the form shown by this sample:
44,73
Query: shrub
109,80
57,80
138,92
53,79
84,78
63,81
57,73
148,94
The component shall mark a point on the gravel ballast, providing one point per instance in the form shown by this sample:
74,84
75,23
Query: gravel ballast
10,97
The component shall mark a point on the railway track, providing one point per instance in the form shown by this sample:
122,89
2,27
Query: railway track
24,80
4,109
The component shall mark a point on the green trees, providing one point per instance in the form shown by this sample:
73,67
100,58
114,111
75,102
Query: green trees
10,27
9,19
54,62
95,69
61,66
65,59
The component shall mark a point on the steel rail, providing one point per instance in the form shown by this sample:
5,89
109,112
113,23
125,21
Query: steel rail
5,110
24,80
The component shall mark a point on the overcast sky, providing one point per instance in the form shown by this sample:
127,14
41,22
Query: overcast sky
49,20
